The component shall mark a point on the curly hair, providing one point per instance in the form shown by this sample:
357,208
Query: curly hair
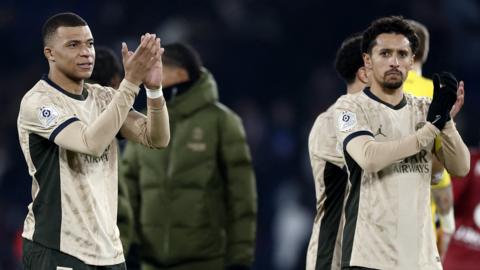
349,58
391,24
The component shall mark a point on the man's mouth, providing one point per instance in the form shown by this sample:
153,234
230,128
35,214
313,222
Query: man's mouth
394,72
86,65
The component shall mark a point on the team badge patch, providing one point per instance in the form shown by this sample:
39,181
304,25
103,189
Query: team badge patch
347,120
47,116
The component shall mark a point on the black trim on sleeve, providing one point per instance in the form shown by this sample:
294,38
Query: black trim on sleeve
400,105
47,205
61,127
335,179
83,96
351,208
119,136
353,135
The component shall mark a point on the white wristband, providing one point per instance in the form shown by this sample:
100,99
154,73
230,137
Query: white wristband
448,222
154,93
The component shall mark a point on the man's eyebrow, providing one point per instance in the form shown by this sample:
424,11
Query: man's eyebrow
72,41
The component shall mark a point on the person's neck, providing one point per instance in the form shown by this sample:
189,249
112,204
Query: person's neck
67,84
355,87
417,68
392,97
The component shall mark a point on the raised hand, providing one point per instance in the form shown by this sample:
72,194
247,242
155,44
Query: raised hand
137,64
460,100
153,80
444,97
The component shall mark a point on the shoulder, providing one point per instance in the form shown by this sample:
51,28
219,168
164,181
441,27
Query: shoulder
100,91
352,103
41,106
39,95
347,99
417,101
322,121
224,112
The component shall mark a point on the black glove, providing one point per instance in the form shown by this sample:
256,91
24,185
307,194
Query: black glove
444,96
238,267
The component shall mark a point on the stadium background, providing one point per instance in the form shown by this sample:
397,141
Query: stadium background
273,63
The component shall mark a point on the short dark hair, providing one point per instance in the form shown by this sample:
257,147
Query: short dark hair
67,19
389,25
349,58
423,41
183,56
107,65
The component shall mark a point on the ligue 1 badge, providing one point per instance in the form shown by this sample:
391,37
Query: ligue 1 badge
47,116
347,120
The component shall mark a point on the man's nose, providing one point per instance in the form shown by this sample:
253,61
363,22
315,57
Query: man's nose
394,61
86,51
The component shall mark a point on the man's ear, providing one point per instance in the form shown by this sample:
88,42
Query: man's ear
367,60
47,51
362,75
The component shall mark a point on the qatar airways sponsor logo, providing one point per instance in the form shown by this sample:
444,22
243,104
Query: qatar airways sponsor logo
417,163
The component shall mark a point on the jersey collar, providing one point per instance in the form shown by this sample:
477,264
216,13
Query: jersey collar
400,105
82,96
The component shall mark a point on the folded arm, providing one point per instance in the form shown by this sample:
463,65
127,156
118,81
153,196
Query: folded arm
94,138
373,156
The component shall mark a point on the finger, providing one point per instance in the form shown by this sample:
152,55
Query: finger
453,111
461,88
159,47
124,50
151,44
141,48
149,49
457,106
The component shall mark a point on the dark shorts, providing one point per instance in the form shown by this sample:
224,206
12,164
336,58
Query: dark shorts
38,257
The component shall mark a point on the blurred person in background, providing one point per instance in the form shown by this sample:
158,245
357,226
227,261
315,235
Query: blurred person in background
464,250
66,130
442,194
324,251
107,71
387,139
195,202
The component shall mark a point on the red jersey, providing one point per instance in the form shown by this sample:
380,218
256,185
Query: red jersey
464,249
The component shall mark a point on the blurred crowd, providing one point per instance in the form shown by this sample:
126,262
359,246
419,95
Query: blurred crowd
273,64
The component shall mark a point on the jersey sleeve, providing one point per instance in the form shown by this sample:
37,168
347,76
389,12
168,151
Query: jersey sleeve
359,142
350,120
44,116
